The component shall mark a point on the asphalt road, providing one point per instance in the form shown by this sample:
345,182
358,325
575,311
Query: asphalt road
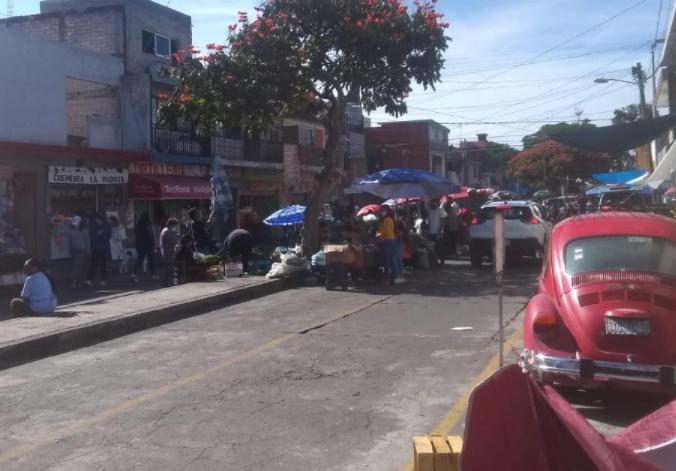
301,380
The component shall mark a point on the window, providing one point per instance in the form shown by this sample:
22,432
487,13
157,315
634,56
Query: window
158,44
511,214
306,136
621,253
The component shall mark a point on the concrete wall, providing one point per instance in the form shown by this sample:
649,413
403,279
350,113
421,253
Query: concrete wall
139,15
398,145
98,30
136,113
33,85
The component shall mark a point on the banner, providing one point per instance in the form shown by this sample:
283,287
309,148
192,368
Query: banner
87,176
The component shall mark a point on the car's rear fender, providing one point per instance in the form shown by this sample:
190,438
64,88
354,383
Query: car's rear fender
563,344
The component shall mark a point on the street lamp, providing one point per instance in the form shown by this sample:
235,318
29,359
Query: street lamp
637,72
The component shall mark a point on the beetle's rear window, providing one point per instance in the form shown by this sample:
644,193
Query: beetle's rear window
623,253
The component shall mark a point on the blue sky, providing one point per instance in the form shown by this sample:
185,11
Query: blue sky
492,73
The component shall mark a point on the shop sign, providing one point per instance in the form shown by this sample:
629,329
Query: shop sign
168,169
87,176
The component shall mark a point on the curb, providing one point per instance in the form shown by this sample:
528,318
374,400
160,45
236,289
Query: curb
42,346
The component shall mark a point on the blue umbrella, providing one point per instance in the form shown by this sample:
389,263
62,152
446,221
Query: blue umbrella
403,183
286,216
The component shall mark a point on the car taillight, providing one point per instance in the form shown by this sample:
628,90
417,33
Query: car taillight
546,326
532,220
475,220
606,208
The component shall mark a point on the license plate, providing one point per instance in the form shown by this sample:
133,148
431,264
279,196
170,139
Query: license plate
618,326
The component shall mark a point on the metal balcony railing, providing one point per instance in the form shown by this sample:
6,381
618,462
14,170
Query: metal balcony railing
179,142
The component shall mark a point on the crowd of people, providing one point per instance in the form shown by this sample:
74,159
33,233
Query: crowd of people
400,232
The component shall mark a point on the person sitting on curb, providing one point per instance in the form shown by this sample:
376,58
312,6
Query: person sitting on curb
37,295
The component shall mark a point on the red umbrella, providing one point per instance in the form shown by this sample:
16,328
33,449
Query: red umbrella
369,208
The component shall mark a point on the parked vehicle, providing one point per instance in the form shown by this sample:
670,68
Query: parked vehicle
622,200
605,312
525,231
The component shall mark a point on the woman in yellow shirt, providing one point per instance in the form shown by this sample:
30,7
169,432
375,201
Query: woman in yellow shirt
388,241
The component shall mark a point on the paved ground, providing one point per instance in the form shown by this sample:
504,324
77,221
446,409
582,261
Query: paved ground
300,380
304,379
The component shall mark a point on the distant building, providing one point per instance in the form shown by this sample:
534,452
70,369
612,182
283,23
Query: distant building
419,144
470,164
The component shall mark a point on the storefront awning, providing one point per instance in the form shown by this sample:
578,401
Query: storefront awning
152,187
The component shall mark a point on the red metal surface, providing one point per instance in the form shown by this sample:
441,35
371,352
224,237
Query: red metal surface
515,424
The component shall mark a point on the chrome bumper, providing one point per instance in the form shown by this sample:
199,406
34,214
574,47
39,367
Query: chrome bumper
544,366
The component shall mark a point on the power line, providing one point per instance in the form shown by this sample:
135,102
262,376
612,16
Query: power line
659,17
563,43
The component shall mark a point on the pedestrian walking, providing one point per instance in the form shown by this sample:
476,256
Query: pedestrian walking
451,228
435,219
118,237
169,238
198,231
99,236
80,249
38,295
145,246
239,243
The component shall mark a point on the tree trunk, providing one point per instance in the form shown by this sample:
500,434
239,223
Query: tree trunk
326,179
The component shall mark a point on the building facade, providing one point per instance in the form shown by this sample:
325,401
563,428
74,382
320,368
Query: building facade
664,102
59,143
470,164
422,145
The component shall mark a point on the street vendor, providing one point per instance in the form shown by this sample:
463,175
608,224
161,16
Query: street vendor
239,243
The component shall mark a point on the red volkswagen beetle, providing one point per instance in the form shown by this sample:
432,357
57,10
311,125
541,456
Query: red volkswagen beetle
605,312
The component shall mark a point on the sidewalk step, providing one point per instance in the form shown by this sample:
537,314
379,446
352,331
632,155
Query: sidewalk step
28,339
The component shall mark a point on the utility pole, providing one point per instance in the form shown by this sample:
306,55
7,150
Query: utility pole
639,76
10,8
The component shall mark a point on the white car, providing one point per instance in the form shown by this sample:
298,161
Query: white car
526,231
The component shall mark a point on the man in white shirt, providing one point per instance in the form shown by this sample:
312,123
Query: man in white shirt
435,219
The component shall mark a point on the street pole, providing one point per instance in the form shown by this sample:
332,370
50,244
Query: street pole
637,72
499,263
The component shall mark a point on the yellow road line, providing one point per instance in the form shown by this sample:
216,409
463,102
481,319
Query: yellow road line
458,409
153,394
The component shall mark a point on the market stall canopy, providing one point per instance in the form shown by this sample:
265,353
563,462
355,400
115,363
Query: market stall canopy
619,137
286,216
403,183
154,187
518,188
369,209
599,190
621,178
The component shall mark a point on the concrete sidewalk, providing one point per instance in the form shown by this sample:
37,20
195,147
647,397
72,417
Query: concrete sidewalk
95,320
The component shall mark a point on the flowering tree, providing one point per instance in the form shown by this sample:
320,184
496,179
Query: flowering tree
547,164
300,56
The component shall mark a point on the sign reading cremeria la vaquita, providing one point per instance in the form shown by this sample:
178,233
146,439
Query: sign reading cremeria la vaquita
88,176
